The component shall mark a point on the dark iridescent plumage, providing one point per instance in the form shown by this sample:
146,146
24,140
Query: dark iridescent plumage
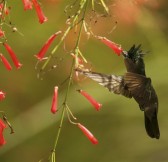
133,84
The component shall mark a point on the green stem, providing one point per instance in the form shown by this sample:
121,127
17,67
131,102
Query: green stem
59,129
85,2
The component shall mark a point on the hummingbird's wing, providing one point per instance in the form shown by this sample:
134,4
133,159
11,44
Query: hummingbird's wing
114,83
139,85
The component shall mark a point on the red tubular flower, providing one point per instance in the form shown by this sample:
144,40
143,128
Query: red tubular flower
2,127
41,16
54,101
13,56
5,62
27,4
117,49
90,99
88,134
2,95
45,47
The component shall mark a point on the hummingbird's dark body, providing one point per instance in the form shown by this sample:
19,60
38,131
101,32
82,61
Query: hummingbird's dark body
133,84
142,90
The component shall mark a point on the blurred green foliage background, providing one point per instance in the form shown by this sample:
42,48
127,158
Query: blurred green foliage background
119,126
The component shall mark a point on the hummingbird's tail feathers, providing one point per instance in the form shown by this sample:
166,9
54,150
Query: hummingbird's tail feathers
137,84
151,125
113,83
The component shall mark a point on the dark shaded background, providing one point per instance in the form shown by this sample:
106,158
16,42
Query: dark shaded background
119,126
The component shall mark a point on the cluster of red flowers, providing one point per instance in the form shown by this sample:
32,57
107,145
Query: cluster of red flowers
4,11
28,5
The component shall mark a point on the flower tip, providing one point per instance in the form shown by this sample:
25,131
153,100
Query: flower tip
98,106
19,65
43,20
56,88
94,141
2,141
53,111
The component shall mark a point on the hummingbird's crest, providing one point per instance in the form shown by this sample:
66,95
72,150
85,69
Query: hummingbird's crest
135,53
134,60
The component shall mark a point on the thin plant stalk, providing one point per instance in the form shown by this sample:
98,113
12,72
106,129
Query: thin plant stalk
85,2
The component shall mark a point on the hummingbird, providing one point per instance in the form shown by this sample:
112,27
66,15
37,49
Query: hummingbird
133,84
